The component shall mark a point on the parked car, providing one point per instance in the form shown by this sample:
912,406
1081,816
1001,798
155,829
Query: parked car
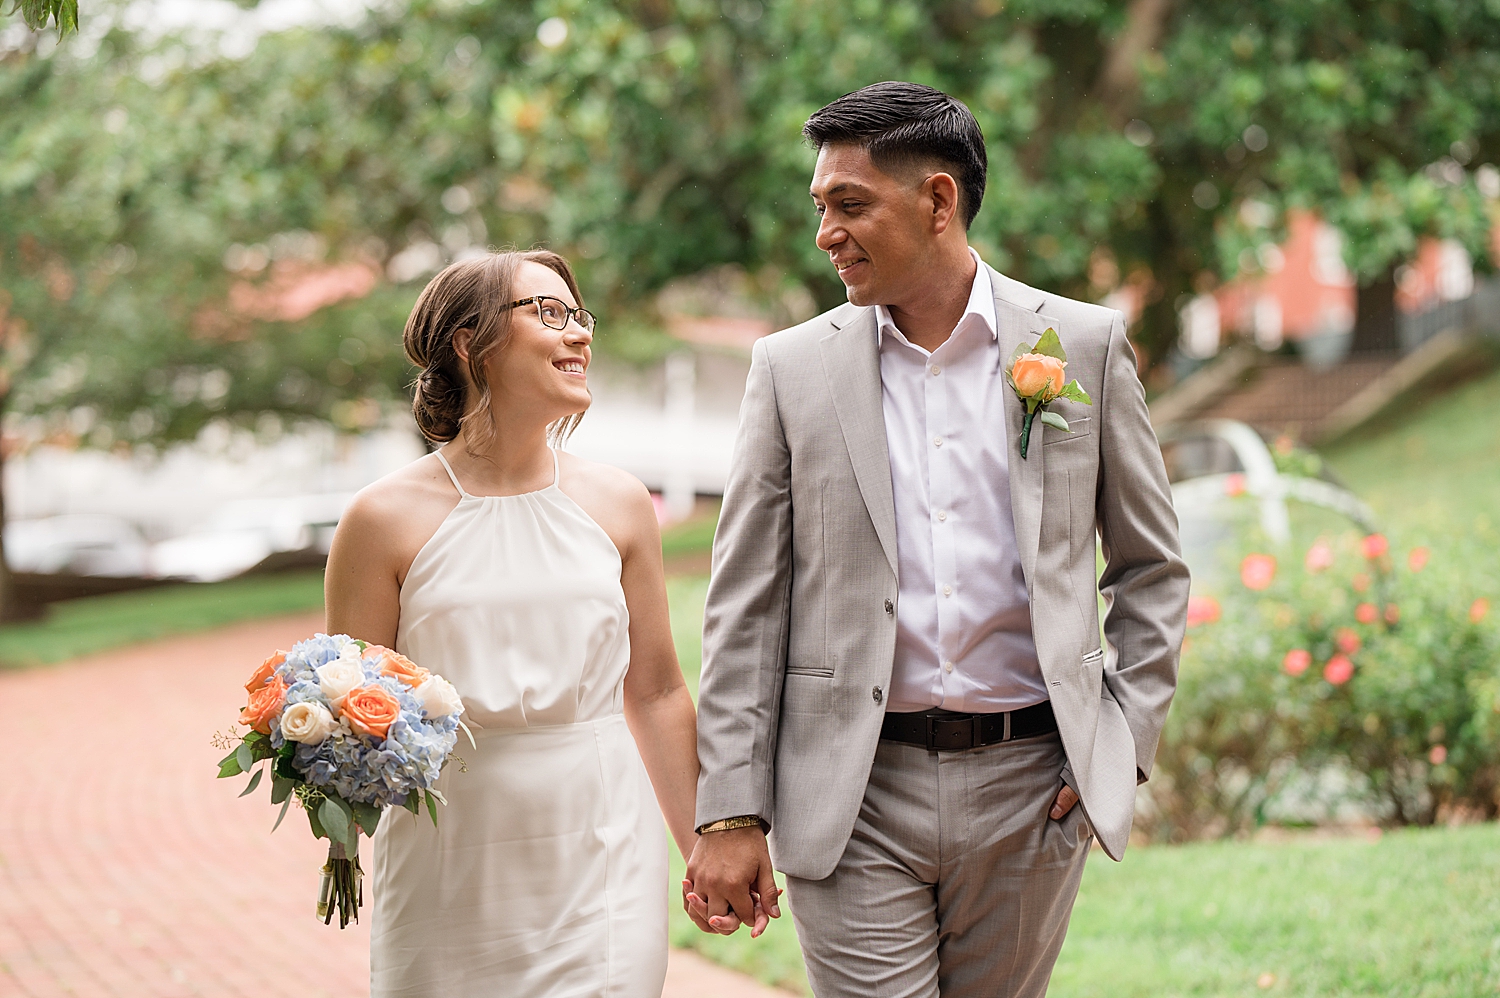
1225,481
247,533
77,544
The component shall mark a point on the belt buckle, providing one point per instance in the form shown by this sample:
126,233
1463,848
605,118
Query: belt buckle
953,734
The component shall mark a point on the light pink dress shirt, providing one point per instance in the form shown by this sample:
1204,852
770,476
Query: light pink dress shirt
963,624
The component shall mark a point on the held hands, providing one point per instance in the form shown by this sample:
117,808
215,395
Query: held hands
730,882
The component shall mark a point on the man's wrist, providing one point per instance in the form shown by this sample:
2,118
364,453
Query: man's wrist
738,821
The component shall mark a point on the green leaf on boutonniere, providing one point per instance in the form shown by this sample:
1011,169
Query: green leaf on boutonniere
1055,421
1050,345
431,806
1074,392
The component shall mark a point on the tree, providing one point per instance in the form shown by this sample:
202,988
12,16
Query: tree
152,194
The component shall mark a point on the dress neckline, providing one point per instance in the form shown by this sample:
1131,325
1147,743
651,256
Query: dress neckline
556,477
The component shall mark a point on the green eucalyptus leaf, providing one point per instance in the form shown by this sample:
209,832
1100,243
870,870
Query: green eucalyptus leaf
367,816
281,787
411,803
245,756
319,832
333,819
230,765
254,782
1050,345
284,805
431,807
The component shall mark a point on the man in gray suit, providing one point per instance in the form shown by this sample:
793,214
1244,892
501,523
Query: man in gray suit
903,678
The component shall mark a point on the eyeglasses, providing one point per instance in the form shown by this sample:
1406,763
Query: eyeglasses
555,313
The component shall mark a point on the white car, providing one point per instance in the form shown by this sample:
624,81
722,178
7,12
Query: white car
247,532
77,544
1225,482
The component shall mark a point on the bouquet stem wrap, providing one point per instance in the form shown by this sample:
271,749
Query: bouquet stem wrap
342,889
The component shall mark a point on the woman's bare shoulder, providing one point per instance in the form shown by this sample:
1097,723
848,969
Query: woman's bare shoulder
615,498
402,500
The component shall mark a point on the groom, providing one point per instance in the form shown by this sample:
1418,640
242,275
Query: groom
904,681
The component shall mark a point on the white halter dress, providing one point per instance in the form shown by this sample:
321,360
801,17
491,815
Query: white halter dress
547,873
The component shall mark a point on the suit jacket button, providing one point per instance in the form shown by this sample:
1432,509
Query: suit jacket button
890,607
878,694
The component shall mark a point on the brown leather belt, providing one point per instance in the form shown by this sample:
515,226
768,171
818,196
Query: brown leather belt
947,731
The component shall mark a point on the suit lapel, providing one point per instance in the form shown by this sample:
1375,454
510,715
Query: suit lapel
1015,324
851,365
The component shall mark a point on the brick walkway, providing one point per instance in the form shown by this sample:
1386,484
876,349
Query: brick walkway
127,870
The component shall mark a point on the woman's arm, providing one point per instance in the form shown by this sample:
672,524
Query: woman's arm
361,594
658,707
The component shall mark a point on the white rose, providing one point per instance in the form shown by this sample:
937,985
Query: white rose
338,677
351,652
439,698
308,722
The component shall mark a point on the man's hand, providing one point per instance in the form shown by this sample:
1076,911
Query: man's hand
1066,798
730,882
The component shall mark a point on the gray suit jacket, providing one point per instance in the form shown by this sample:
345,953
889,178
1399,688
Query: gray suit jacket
800,630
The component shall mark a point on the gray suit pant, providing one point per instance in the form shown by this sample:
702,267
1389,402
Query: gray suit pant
955,881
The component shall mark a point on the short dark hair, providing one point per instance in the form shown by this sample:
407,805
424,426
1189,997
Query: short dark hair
903,123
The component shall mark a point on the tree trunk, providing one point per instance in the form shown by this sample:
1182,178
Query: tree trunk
1375,316
10,608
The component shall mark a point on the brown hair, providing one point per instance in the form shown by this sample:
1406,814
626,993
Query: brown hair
471,294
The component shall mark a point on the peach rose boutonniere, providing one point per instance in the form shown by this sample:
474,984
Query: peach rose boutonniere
1036,374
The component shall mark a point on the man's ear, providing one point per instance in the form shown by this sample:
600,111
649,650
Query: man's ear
943,191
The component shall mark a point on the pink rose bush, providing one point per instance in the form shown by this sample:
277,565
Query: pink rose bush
1346,651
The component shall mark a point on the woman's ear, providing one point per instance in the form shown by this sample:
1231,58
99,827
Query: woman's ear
462,338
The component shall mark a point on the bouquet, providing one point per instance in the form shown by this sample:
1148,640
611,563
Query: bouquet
346,729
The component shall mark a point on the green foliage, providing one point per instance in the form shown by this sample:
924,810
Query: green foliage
658,139
1384,674
36,13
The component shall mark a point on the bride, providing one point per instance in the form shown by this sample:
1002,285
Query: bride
533,581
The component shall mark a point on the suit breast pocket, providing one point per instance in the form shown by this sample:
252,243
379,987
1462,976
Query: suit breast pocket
1081,427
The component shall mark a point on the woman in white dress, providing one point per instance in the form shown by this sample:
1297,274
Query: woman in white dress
532,580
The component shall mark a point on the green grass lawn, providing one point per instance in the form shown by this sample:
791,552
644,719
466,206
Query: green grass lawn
99,623
1416,914
1434,467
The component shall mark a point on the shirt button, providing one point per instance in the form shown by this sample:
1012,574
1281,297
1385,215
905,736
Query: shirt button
937,441
947,590
942,514
936,370
947,666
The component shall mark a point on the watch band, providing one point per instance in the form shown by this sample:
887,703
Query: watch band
725,824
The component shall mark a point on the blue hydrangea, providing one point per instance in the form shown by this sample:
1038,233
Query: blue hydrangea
357,767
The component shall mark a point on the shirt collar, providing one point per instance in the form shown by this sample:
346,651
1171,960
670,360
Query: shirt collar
981,307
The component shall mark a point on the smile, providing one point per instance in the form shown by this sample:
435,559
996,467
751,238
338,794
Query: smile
572,367
842,267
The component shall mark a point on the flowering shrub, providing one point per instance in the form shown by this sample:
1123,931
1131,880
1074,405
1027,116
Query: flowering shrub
1352,657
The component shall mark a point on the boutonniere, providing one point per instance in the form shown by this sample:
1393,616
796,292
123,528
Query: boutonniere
1036,374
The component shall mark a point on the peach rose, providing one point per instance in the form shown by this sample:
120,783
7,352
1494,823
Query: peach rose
1258,571
1036,372
370,711
1339,670
262,673
265,703
395,664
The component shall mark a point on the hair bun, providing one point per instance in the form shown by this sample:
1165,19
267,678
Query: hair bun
438,404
